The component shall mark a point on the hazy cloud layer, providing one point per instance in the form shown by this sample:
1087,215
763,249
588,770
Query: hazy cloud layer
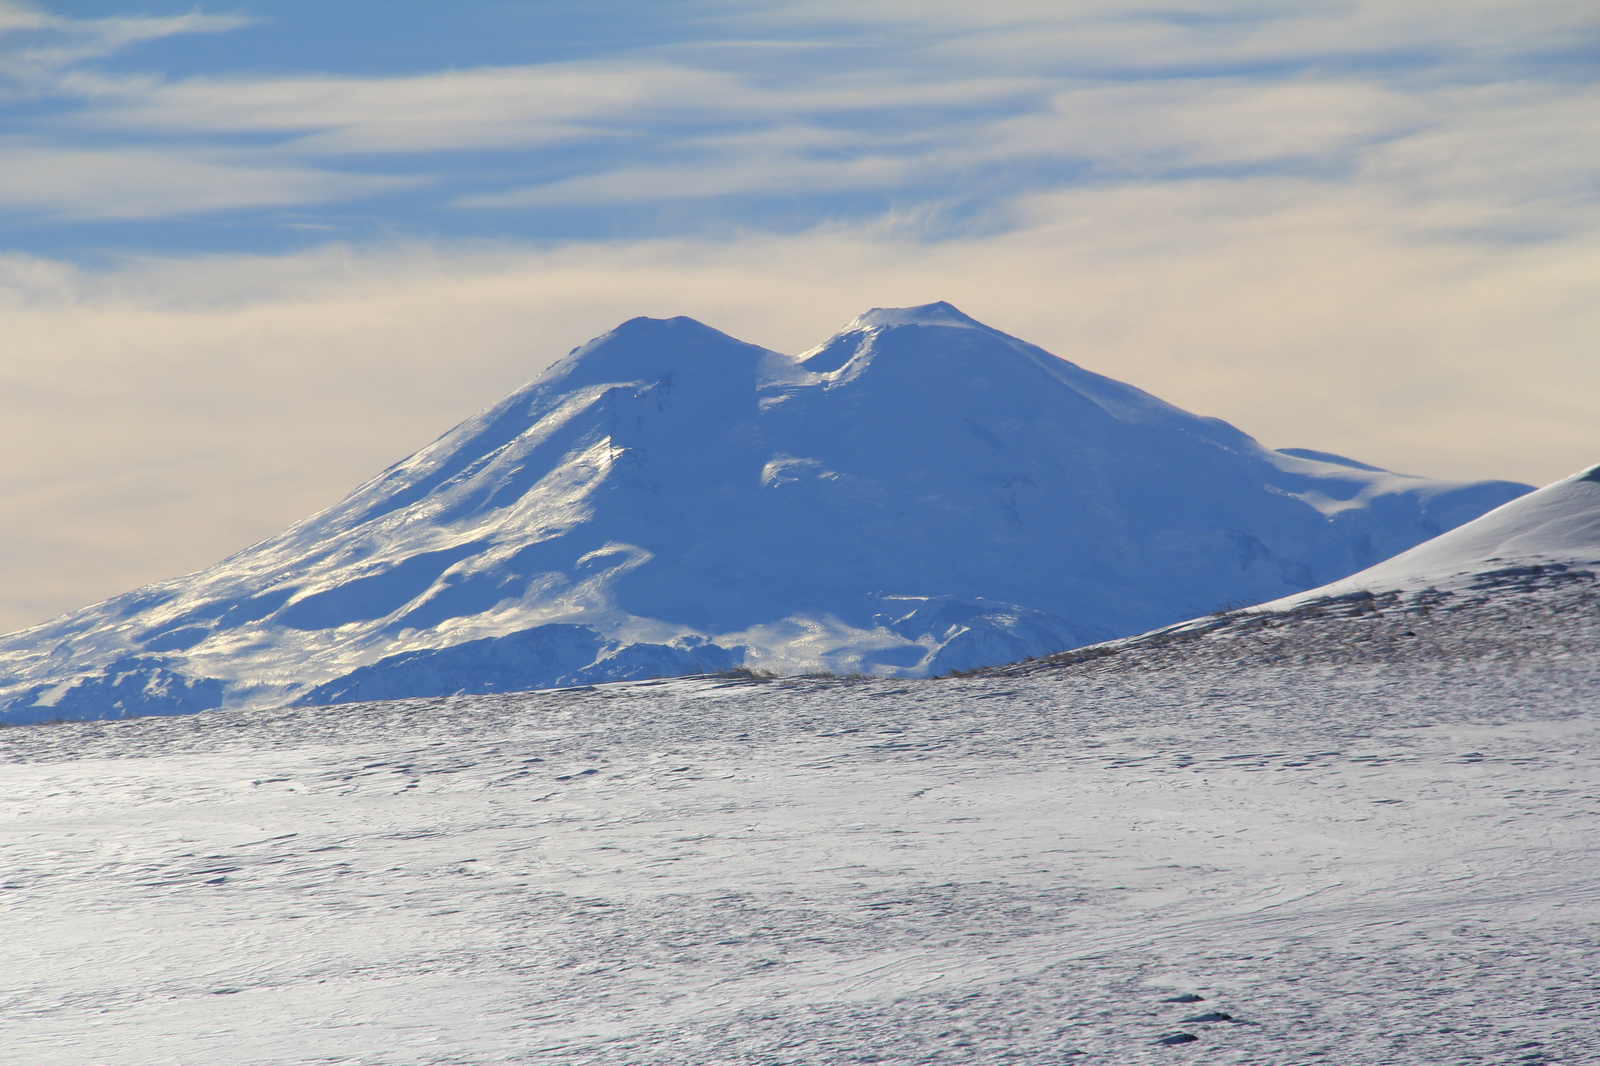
1370,228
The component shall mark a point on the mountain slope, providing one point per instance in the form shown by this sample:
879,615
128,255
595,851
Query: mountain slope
918,494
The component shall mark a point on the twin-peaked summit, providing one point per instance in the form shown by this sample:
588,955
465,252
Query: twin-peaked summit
918,494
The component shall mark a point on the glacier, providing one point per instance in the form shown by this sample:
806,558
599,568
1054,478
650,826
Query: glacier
920,494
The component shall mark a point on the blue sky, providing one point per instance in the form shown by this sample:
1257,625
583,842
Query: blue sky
254,252
277,126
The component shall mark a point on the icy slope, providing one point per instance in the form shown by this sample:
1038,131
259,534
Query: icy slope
919,494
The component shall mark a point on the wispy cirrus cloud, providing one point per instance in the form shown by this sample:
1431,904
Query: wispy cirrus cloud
516,106
35,45
497,108
1119,39
140,183
812,101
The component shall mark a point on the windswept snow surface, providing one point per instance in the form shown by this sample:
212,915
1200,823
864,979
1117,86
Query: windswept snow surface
1363,835
919,494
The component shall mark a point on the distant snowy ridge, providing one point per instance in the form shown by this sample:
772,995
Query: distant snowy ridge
1546,540
919,494
1557,526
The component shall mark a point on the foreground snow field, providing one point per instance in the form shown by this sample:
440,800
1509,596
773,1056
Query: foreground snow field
1367,832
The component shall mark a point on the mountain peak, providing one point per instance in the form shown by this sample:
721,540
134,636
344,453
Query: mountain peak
649,349
934,314
646,324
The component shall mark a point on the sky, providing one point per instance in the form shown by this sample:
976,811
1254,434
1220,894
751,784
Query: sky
255,252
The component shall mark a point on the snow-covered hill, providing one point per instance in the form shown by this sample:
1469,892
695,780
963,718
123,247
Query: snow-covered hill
919,494
1542,548
1550,531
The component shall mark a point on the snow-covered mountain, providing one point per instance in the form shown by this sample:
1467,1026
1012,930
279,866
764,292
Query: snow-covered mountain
921,493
